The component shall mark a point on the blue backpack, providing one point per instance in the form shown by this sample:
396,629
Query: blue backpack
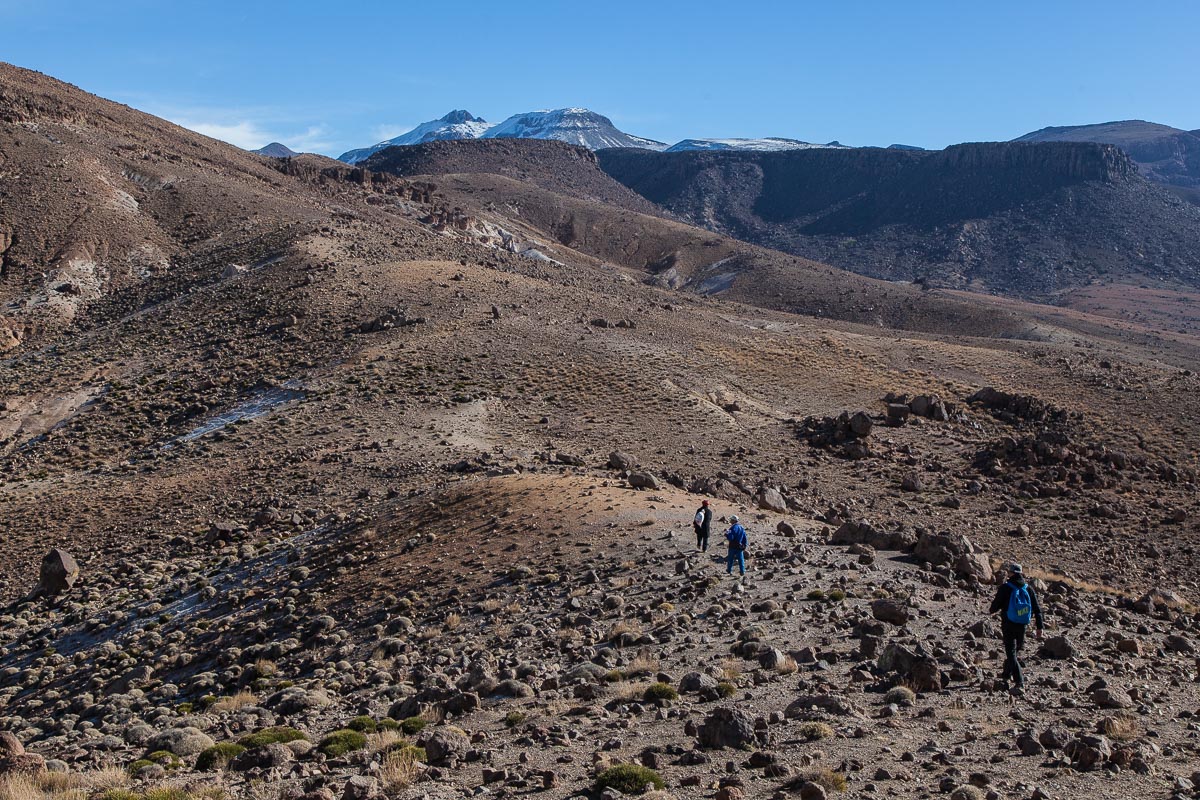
1019,607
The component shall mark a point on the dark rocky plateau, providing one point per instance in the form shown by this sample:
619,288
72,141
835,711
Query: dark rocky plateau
1013,218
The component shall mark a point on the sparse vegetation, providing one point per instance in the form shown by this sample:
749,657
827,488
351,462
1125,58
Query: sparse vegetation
629,779
400,768
1121,728
218,756
660,691
813,731
338,743
726,690
413,725
277,735
900,695
234,702
514,718
828,779
363,724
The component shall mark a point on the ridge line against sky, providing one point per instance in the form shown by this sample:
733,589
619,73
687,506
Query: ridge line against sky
327,79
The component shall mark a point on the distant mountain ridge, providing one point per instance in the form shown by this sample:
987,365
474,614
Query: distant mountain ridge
1029,219
458,124
1165,155
769,144
276,150
577,126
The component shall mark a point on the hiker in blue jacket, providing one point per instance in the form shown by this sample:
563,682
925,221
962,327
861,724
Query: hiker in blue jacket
738,542
1017,604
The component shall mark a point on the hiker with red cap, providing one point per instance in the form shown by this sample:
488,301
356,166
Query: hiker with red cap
701,523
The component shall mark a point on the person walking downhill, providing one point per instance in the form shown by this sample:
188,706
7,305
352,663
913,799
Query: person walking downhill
1017,604
738,542
702,523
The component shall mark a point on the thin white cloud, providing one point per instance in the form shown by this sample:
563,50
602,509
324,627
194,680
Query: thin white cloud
245,134
384,132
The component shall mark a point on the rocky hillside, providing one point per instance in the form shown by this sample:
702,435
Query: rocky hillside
1165,155
1023,219
347,498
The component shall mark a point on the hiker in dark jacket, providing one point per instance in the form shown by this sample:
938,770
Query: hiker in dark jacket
738,542
702,523
1016,602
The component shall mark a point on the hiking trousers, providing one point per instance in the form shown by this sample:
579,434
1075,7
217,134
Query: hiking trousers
735,557
702,539
1014,640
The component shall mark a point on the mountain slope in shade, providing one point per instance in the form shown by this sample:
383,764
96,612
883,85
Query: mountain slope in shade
458,124
764,145
577,126
276,150
1023,219
1165,155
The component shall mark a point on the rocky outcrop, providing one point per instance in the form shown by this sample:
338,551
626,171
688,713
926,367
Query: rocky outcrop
980,212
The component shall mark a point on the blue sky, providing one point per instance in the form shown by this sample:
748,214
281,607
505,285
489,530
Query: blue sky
328,76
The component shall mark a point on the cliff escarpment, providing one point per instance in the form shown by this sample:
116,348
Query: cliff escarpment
1013,217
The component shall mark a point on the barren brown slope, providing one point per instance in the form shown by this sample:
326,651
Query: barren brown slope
100,199
374,475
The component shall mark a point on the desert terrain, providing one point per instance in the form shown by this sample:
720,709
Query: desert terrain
326,482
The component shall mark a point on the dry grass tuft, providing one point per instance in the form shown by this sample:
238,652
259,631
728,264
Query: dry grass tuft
19,788
235,702
787,666
731,669
109,778
1121,728
643,664
400,769
621,627
453,621
384,741
633,692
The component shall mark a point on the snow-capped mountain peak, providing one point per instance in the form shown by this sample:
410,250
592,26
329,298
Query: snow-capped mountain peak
577,126
769,144
458,124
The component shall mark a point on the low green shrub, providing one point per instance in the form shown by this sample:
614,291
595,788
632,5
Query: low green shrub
217,756
341,742
726,690
629,779
514,718
266,736
363,724
660,691
413,725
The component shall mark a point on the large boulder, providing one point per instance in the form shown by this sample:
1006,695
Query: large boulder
803,706
727,727
621,461
771,500
10,745
863,532
1059,647
1088,752
297,700
888,610
182,742
59,573
644,480
915,666
446,744
24,765
975,565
